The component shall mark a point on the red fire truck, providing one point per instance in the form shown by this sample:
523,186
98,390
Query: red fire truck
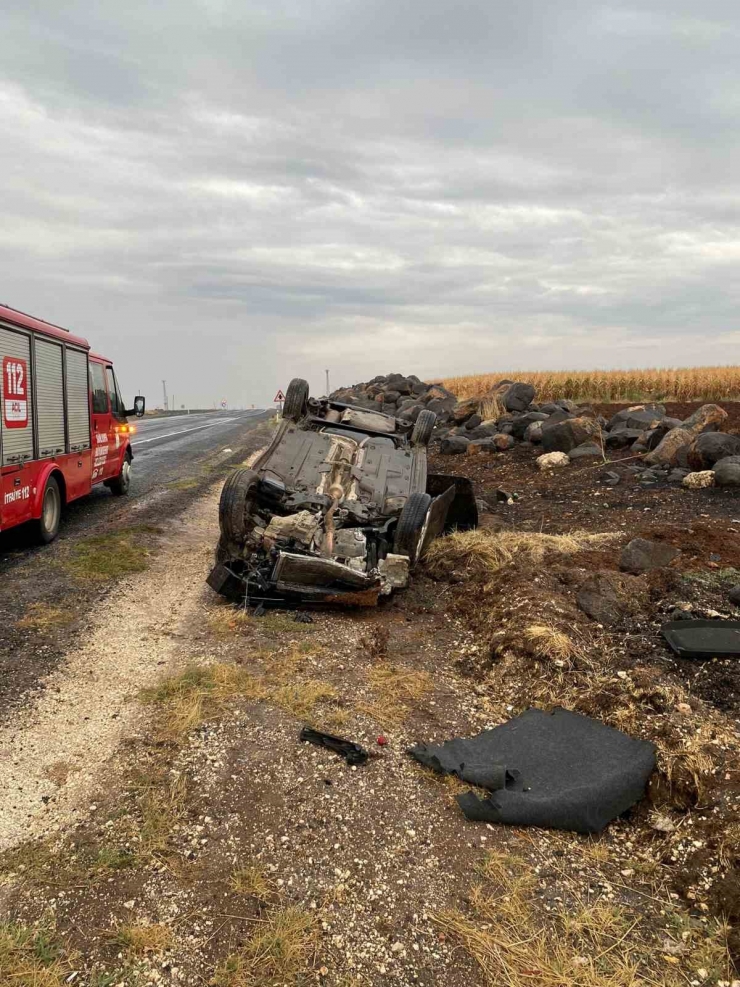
63,425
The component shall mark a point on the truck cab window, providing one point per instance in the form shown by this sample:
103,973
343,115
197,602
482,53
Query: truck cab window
116,404
99,389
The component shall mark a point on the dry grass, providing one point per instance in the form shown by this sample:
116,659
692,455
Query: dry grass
138,940
482,553
162,805
41,617
578,944
30,958
299,699
683,384
280,953
252,882
189,699
226,621
551,644
395,688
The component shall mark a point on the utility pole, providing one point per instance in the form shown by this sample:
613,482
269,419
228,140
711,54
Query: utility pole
164,392
327,383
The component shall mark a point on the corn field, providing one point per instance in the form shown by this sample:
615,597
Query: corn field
682,384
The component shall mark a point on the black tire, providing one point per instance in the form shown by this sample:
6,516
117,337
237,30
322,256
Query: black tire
121,484
47,526
236,501
423,428
411,524
296,400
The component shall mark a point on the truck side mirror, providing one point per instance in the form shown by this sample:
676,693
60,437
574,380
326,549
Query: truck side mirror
139,406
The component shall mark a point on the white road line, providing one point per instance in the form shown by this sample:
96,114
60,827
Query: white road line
169,435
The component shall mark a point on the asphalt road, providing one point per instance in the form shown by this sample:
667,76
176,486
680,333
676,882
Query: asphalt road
165,445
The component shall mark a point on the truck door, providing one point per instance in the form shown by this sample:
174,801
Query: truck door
16,461
119,436
102,423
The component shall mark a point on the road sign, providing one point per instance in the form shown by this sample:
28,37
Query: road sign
223,405
279,397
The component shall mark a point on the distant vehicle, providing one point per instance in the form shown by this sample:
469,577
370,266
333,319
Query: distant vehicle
338,508
63,426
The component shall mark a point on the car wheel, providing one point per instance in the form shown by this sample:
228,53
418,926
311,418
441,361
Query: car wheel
47,526
411,524
423,428
296,400
119,486
234,507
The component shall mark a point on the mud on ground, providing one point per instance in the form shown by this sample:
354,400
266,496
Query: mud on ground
207,845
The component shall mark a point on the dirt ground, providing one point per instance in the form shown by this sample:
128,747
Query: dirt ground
162,823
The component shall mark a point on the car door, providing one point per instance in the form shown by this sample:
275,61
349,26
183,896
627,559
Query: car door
102,422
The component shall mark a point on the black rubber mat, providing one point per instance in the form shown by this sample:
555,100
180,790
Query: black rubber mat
703,638
557,769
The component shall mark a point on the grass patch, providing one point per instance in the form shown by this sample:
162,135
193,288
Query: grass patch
252,882
281,952
551,644
282,622
138,940
395,688
299,699
41,617
119,553
197,694
187,483
576,944
30,957
482,553
226,621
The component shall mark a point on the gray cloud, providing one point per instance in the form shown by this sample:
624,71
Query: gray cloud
232,194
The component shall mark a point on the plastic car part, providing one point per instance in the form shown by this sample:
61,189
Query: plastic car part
703,638
352,753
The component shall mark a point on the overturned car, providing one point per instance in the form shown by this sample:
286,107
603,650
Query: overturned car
337,509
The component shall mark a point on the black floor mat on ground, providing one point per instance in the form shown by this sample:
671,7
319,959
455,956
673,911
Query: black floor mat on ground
559,770
703,638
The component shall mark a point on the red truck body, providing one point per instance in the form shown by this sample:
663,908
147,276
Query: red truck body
63,425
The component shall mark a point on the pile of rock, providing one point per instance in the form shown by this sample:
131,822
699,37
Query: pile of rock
693,452
403,397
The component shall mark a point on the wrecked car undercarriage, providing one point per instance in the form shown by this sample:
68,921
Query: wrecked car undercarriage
337,509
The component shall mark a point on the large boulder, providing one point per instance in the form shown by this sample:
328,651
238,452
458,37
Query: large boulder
708,418
727,472
641,419
709,447
566,435
502,442
466,409
520,425
588,450
534,433
478,446
610,597
453,445
673,449
518,397
485,430
641,555
622,438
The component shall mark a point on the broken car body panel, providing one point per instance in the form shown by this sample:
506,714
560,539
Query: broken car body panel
321,514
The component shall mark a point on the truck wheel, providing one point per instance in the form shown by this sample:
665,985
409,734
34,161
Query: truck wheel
296,400
119,485
234,507
411,525
423,428
47,526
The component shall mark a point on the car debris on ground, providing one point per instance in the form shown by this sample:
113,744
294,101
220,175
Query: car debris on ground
559,770
338,509
353,753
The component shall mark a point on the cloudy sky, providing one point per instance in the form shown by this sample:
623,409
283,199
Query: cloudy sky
228,194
